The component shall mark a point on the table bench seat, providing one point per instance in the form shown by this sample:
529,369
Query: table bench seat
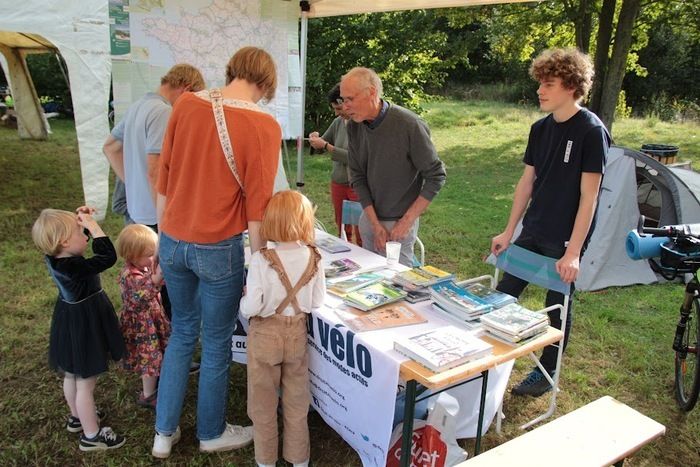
601,433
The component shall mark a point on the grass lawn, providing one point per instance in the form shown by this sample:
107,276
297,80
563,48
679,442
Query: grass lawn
621,341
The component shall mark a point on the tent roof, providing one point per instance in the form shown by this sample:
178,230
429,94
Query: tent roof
320,8
22,40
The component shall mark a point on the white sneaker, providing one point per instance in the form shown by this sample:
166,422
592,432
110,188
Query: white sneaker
301,464
163,444
233,437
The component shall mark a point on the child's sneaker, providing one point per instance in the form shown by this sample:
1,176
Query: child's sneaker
103,440
148,402
163,444
73,424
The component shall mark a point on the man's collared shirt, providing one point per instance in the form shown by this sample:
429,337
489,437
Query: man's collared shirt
380,118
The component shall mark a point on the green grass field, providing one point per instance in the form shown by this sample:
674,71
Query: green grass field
621,341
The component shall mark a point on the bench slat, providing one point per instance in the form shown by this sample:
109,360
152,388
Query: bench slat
597,434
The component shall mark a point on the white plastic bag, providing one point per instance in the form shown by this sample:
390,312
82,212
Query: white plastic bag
433,443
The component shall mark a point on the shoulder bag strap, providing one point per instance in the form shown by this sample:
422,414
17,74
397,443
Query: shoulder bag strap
224,139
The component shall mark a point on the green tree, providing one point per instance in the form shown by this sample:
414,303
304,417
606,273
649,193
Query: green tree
405,48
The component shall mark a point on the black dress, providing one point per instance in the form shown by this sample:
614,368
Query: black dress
84,328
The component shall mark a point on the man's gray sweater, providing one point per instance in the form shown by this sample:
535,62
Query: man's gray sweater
394,163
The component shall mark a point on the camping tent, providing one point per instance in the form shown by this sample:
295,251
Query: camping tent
635,183
79,31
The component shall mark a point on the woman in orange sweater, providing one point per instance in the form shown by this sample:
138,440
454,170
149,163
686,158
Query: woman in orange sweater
217,170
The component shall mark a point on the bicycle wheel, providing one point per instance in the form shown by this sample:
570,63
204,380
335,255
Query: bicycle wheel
688,364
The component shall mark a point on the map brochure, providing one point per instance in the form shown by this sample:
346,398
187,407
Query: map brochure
443,348
454,299
340,267
515,320
373,296
332,245
489,295
387,316
343,286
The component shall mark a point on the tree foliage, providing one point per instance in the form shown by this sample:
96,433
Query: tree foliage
406,49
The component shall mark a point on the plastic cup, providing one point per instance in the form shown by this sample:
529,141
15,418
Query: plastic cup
393,252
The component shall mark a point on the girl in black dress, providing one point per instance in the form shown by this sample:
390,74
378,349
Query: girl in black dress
84,328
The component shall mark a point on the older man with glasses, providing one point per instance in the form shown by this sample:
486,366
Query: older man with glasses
394,167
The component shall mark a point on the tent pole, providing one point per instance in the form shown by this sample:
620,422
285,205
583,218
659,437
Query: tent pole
305,6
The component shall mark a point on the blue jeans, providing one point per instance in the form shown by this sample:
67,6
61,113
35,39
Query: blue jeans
205,282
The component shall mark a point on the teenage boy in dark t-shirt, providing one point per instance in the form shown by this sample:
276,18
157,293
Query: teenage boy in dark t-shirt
564,165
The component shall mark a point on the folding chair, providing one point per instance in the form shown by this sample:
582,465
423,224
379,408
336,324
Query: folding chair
351,216
541,271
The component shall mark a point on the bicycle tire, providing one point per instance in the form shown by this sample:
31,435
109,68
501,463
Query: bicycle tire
687,369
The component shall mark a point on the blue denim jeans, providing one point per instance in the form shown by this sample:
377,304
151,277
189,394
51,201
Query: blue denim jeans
205,282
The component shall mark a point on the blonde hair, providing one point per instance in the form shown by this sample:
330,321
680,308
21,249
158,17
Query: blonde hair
289,217
183,75
572,66
134,240
366,78
255,66
53,227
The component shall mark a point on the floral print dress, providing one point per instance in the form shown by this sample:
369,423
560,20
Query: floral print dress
144,325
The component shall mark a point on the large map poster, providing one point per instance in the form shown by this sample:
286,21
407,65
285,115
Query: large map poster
150,36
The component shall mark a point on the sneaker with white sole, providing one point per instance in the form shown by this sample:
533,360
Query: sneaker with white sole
233,437
163,444
73,424
103,440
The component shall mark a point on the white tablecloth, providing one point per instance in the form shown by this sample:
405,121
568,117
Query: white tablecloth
354,377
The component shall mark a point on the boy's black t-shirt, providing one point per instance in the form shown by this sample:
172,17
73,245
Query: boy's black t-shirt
560,153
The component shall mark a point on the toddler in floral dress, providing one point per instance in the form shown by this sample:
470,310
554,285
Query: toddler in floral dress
143,322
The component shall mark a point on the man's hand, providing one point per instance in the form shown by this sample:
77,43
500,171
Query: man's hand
400,230
500,242
568,267
380,236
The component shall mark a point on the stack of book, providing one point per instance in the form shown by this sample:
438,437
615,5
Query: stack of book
443,348
515,324
489,295
344,286
458,302
373,296
421,277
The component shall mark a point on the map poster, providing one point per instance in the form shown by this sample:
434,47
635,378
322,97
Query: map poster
119,35
154,35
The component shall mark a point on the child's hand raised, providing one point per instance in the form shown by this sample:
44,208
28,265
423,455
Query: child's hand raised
86,210
85,220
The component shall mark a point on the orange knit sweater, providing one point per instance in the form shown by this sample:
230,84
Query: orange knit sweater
204,203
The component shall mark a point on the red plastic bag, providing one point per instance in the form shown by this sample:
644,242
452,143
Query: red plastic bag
427,447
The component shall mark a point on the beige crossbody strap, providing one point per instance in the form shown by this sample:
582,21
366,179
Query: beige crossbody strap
218,107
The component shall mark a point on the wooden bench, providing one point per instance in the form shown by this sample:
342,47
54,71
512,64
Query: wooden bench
601,433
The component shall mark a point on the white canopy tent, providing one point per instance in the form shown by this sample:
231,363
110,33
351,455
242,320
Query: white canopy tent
80,32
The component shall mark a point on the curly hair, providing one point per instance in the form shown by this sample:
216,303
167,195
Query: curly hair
572,66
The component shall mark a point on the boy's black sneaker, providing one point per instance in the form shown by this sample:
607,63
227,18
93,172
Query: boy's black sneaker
73,424
103,440
535,384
